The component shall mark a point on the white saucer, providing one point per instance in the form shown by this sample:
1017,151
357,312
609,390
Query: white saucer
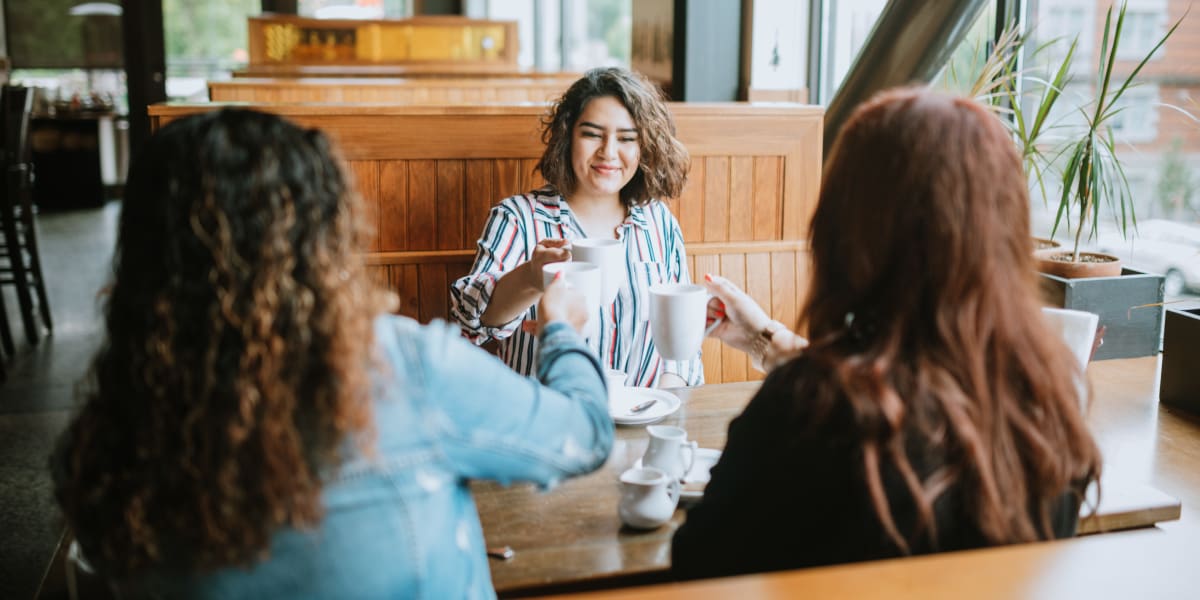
696,479
623,399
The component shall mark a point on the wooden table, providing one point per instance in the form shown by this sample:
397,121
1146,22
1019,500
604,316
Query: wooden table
570,538
1140,564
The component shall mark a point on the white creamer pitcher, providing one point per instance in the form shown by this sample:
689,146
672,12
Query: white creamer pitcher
669,450
648,497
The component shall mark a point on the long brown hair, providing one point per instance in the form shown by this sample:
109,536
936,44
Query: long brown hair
238,332
924,314
662,169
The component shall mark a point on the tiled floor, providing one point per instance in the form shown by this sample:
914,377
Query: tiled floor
35,402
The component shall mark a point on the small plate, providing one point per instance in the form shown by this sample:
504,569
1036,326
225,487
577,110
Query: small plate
626,398
696,479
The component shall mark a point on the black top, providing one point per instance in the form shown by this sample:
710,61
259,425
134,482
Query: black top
789,491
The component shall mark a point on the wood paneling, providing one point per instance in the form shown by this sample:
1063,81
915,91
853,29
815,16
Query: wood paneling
458,90
429,174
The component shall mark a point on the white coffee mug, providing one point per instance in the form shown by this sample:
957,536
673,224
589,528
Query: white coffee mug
584,277
670,450
609,255
677,315
648,497
1077,329
616,383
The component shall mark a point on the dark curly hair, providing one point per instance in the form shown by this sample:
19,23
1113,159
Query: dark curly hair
663,168
237,348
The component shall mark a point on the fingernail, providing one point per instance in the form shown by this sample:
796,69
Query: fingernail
708,277
558,275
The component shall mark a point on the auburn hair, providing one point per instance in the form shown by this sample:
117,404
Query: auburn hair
924,316
235,361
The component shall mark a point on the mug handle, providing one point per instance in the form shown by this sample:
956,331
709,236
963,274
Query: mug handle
674,490
691,447
716,322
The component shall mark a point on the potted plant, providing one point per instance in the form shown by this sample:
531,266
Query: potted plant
1093,177
995,85
1128,302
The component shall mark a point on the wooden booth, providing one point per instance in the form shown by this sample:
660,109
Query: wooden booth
392,90
429,175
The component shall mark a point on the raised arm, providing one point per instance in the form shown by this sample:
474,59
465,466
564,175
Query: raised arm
505,278
496,424
746,326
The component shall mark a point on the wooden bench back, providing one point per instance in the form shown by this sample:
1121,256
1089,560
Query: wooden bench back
429,174
426,90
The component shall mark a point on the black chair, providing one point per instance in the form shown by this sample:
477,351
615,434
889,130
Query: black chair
24,266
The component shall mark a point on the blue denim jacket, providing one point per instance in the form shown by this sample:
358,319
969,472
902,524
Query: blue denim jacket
402,523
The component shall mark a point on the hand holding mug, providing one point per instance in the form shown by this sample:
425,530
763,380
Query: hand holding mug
561,302
547,251
744,325
743,319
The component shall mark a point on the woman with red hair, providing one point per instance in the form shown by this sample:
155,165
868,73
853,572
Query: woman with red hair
933,410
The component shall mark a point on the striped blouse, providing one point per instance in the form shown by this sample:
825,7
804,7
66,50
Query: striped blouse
654,254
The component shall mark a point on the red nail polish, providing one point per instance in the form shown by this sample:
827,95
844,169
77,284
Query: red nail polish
708,277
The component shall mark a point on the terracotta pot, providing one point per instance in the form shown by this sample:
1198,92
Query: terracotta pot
1091,264
1044,244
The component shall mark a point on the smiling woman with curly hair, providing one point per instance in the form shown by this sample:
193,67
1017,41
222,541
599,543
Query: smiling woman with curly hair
254,427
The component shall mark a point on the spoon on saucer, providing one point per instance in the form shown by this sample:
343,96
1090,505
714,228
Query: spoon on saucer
643,406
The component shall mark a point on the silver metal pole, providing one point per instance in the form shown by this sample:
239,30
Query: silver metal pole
911,43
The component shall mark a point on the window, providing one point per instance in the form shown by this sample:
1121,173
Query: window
1137,120
1142,30
568,35
1156,143
845,28
355,9
204,40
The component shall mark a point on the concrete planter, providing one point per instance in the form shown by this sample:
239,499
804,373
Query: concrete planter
1180,385
1129,306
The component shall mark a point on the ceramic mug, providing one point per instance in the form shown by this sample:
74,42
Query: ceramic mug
584,277
667,448
616,383
677,315
648,497
609,255
1078,331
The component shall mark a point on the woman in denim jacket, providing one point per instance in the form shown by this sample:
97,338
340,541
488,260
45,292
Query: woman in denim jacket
253,427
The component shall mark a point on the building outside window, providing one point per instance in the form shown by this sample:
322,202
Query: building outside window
1156,134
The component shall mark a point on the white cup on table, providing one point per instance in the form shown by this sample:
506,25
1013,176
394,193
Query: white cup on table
584,277
609,255
670,451
677,318
1077,329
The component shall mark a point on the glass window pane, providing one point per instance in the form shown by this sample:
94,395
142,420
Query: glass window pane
598,33
204,40
1156,143
844,30
355,9
968,61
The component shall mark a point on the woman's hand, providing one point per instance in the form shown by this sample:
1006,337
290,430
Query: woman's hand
561,302
744,319
746,326
547,251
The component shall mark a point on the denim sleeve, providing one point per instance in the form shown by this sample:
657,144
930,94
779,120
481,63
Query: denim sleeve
496,424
